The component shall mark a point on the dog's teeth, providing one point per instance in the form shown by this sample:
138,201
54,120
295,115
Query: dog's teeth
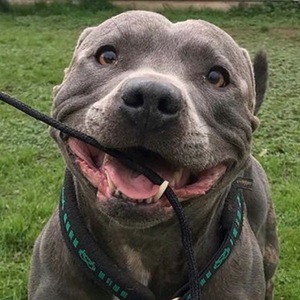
149,200
177,176
161,190
140,200
110,183
123,196
173,182
117,193
105,159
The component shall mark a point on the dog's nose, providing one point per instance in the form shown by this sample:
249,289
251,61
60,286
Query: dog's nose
150,104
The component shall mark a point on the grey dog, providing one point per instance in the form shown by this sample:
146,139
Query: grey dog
182,98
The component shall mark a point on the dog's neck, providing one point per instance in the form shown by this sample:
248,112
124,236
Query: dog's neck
154,256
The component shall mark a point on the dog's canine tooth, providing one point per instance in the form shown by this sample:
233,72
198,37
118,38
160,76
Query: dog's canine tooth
177,176
161,190
105,159
117,193
149,200
124,196
173,182
111,185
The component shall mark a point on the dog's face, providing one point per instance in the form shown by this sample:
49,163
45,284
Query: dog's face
177,97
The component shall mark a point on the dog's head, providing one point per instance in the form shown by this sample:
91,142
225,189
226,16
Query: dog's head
180,98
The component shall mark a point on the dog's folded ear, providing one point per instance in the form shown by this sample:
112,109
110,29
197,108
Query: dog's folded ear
83,36
260,67
85,33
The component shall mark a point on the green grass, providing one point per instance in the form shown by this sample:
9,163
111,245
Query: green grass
34,50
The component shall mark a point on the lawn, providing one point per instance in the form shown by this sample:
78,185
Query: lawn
34,50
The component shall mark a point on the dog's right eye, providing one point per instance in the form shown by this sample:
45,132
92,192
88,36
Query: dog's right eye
107,55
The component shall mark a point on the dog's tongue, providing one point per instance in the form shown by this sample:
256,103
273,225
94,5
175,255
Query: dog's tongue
132,184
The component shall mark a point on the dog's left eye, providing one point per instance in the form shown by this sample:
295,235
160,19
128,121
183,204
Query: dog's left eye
107,55
218,76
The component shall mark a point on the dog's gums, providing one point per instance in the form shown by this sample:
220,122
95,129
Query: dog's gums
113,179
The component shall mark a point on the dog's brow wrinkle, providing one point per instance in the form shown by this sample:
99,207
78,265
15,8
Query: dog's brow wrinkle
117,26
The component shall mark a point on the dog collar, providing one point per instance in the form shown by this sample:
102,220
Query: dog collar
117,281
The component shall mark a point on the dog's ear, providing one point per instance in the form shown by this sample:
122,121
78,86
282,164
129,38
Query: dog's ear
85,33
252,96
260,67
83,36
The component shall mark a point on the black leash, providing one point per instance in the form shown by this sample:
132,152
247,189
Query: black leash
152,176
232,223
96,263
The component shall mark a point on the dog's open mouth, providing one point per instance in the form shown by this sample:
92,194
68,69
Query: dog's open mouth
113,179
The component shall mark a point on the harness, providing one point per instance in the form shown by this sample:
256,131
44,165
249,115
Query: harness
97,265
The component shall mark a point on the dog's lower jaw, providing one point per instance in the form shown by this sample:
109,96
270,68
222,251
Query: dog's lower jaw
136,216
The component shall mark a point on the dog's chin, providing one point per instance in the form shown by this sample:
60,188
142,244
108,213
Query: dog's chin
129,197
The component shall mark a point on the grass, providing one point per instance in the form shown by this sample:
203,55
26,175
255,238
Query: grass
37,44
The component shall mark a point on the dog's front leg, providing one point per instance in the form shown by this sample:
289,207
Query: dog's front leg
54,274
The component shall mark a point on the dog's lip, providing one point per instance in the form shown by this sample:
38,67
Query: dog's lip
113,179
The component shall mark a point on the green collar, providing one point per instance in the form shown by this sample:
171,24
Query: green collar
103,272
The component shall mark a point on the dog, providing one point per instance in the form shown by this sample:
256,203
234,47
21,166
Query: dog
181,98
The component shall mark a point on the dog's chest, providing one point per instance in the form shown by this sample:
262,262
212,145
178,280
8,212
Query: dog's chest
135,265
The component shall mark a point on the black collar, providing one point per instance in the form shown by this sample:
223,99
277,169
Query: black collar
117,281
